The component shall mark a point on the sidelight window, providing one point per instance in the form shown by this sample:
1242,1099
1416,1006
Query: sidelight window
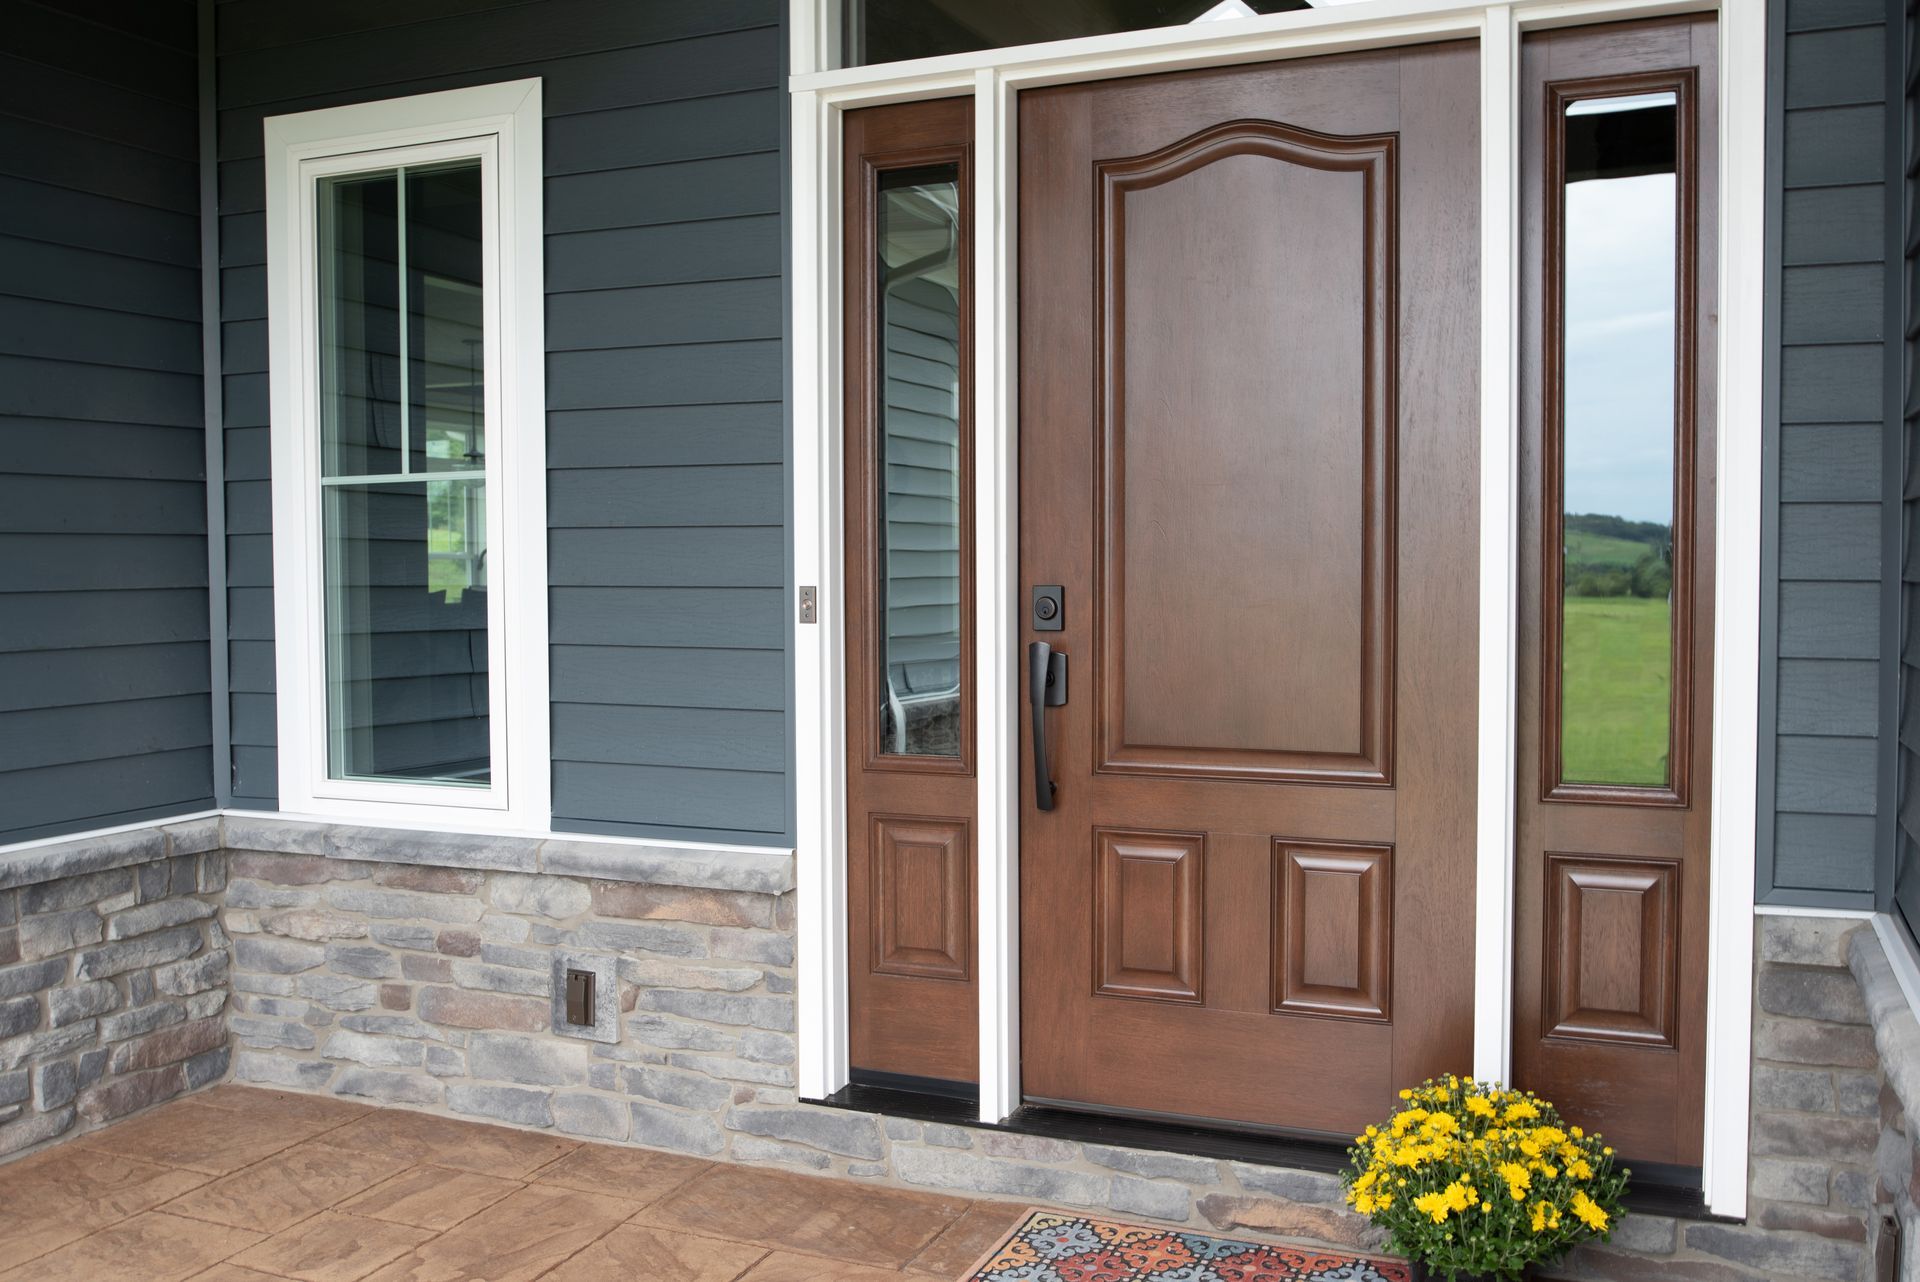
1620,457
918,473
409,530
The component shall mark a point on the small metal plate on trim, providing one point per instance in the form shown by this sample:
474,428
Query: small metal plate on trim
1049,608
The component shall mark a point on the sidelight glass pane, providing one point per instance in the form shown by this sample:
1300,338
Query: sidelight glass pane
1618,433
918,468
892,30
406,631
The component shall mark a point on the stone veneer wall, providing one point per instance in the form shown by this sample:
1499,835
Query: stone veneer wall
433,987
1897,1039
113,979
417,969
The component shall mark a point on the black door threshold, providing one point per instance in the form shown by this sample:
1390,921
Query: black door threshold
1672,1191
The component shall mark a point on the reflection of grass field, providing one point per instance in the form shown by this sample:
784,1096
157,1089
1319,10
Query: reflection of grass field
1614,693
1587,548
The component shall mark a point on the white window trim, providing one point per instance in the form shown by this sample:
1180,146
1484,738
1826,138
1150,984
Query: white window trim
502,124
820,95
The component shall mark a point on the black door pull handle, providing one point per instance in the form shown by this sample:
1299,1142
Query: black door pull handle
1046,688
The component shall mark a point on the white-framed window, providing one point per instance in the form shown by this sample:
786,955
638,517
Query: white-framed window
407,357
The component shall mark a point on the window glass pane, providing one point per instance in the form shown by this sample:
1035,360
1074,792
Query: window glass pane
359,325
893,30
402,329
406,620
444,319
1618,436
918,468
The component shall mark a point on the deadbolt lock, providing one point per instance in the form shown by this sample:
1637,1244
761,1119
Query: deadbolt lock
1049,608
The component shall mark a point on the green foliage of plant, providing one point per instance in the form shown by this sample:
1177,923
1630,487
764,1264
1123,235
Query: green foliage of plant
1653,576
1471,1179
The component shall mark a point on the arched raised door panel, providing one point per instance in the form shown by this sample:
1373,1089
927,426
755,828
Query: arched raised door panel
1264,424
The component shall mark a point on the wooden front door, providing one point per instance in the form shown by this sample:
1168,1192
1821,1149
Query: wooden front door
1248,460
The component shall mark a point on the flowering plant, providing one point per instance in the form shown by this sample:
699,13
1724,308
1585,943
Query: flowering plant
1473,1180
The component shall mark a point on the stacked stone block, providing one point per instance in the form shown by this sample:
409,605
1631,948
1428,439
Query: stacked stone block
113,980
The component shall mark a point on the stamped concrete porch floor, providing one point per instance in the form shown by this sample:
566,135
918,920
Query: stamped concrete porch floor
243,1185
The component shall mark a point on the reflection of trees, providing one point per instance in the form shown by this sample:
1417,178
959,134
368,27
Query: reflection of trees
1650,577
1617,527
1597,566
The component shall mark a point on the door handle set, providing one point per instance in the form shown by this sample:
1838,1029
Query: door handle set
1046,688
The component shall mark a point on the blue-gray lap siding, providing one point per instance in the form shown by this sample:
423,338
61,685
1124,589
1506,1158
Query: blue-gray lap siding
1824,753
1903,549
665,434
104,679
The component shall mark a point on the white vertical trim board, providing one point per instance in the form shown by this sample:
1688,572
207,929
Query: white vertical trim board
820,771
996,459
1736,606
501,126
1499,499
822,91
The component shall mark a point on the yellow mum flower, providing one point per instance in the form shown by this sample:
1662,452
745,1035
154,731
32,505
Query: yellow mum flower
1524,1111
1479,1106
1433,1206
1589,1211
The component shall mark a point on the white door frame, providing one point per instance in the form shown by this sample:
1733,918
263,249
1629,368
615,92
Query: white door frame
994,77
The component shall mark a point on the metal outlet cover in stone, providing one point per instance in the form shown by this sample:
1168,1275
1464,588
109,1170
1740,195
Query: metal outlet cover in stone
605,970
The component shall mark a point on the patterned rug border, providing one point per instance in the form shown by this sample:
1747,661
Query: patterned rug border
1331,1265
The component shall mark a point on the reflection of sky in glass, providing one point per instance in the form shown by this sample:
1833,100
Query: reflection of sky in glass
1619,347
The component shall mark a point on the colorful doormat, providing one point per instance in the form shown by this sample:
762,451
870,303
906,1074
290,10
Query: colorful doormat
1053,1246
